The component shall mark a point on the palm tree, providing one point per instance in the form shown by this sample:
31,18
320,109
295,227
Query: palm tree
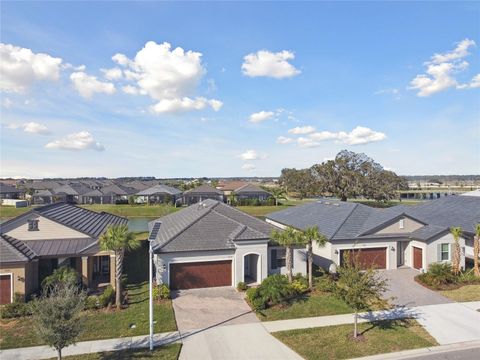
287,238
476,250
118,239
232,198
278,193
311,235
456,233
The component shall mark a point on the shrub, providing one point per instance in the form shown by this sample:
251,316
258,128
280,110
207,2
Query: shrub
156,293
254,298
64,275
275,289
14,310
164,292
92,302
467,277
107,297
241,286
299,286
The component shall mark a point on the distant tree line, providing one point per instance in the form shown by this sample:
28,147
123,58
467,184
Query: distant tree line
349,175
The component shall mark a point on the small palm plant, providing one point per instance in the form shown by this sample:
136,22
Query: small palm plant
118,239
311,235
278,193
476,250
287,238
456,233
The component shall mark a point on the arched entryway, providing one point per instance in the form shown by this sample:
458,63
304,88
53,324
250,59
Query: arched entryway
251,268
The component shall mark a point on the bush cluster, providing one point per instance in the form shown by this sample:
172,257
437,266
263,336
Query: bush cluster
161,292
15,310
440,275
275,290
107,297
253,202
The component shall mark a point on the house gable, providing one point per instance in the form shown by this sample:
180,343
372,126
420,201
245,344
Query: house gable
47,230
401,225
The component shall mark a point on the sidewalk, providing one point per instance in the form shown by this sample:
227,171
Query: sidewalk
86,347
447,323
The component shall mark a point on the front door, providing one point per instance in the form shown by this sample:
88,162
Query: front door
417,258
401,246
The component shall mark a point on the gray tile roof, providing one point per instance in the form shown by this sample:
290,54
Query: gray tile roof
342,220
13,250
203,189
160,189
118,190
211,225
250,189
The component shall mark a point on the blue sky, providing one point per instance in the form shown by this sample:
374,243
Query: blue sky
394,80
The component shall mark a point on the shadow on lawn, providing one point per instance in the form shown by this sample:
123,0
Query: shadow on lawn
399,316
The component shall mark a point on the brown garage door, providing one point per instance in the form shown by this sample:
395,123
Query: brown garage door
417,258
5,289
201,274
376,257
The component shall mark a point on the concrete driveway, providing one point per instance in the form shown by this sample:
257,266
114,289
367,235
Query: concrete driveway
203,308
217,323
408,292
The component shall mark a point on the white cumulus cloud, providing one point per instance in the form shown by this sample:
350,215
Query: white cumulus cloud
269,64
169,76
30,127
185,104
261,116
251,155
473,84
284,140
82,140
301,130
113,73
88,85
20,67
442,69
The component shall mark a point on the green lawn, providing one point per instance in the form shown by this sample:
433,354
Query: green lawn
100,324
10,211
333,342
167,352
134,210
465,293
317,304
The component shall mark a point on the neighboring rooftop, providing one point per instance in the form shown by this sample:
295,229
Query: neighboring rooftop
204,189
209,225
160,189
345,220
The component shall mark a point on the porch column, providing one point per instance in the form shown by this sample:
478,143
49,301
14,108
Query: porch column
85,271
113,269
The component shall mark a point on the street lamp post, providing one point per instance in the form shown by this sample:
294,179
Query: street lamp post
151,239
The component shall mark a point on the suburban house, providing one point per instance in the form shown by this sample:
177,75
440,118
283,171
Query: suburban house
201,193
35,243
10,192
241,191
69,193
213,244
413,236
160,194
115,194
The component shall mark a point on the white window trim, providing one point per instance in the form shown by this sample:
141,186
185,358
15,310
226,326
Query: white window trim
449,251
401,224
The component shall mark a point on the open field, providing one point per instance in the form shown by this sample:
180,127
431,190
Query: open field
334,342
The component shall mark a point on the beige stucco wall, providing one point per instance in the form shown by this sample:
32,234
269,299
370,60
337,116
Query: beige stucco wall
409,225
48,230
24,276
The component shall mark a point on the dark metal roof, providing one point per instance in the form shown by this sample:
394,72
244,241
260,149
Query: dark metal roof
86,221
13,250
210,225
59,247
9,189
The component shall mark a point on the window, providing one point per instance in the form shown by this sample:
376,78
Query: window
401,224
445,252
33,225
279,258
